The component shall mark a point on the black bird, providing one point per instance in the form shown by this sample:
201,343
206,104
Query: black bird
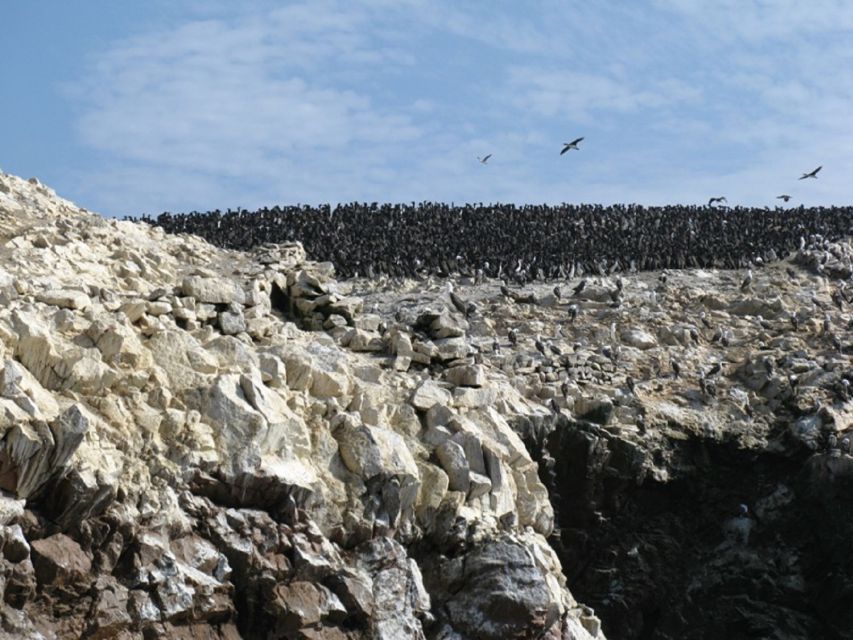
791,273
768,365
838,299
555,349
811,174
629,381
513,336
571,145
580,287
704,319
795,322
694,334
794,382
573,312
540,346
714,370
557,291
484,159
784,197
713,201
496,346
463,307
836,342
676,368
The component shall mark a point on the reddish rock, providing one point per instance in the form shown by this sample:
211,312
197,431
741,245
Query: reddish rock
59,560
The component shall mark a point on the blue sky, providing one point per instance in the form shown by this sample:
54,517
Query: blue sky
131,107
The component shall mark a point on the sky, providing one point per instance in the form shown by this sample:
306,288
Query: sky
177,105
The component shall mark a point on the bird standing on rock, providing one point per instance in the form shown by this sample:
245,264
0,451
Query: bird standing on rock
513,336
747,281
573,312
580,287
676,368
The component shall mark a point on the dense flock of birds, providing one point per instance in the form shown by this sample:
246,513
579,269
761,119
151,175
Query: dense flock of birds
520,243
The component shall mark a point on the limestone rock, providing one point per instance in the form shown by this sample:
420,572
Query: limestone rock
212,290
467,375
65,298
429,394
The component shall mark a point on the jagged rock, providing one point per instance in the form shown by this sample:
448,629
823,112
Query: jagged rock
203,456
429,394
360,340
481,593
467,375
232,322
451,455
598,410
59,560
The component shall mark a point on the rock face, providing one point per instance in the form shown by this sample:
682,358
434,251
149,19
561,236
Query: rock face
210,444
202,443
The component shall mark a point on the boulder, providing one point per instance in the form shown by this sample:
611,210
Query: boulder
59,560
469,375
429,394
212,290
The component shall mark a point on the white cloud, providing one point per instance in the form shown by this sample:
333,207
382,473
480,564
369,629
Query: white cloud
329,100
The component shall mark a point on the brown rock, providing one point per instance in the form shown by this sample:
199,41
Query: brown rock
59,560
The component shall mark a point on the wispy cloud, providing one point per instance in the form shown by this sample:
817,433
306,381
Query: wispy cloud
330,100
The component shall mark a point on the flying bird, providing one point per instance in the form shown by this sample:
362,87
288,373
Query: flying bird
484,159
813,174
571,145
785,196
712,201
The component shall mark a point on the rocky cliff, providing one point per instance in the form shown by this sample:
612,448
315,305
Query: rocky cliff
199,443
209,444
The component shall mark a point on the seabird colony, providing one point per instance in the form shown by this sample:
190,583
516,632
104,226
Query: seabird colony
520,243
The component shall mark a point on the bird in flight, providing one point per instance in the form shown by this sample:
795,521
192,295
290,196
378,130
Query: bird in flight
813,174
713,201
571,145
484,159
784,196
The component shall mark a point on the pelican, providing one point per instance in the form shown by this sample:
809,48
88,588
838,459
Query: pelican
812,174
484,159
571,145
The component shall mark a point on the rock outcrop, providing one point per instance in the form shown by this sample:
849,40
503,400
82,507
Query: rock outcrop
203,443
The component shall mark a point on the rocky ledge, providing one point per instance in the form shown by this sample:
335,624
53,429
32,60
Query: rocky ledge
198,443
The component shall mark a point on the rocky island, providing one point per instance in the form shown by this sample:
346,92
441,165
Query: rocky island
206,443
